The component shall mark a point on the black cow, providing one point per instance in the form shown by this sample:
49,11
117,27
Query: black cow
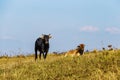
42,45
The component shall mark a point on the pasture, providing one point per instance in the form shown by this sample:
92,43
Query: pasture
103,65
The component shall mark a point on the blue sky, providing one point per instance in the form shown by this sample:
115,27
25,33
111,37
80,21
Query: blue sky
96,23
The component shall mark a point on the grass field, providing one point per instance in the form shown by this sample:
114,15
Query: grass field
104,65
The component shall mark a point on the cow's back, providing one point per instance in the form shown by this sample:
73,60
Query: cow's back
38,42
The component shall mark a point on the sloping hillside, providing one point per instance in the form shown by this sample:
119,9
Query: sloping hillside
91,66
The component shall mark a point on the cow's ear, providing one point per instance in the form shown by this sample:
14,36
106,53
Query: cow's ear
50,36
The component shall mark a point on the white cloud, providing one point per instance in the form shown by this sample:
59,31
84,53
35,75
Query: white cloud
89,29
113,30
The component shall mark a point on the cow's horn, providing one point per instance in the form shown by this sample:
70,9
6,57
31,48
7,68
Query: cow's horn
50,36
42,36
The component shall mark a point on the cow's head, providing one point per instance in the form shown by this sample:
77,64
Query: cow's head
81,46
46,38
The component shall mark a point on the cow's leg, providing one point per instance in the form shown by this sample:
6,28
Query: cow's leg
45,54
40,55
35,53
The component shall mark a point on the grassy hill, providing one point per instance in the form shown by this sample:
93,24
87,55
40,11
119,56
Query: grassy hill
104,65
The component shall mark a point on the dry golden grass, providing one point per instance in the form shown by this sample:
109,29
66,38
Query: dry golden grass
103,65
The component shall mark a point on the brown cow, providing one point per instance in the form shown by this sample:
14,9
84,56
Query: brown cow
80,48
76,52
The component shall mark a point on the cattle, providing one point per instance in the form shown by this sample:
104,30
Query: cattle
42,45
72,53
76,52
80,49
